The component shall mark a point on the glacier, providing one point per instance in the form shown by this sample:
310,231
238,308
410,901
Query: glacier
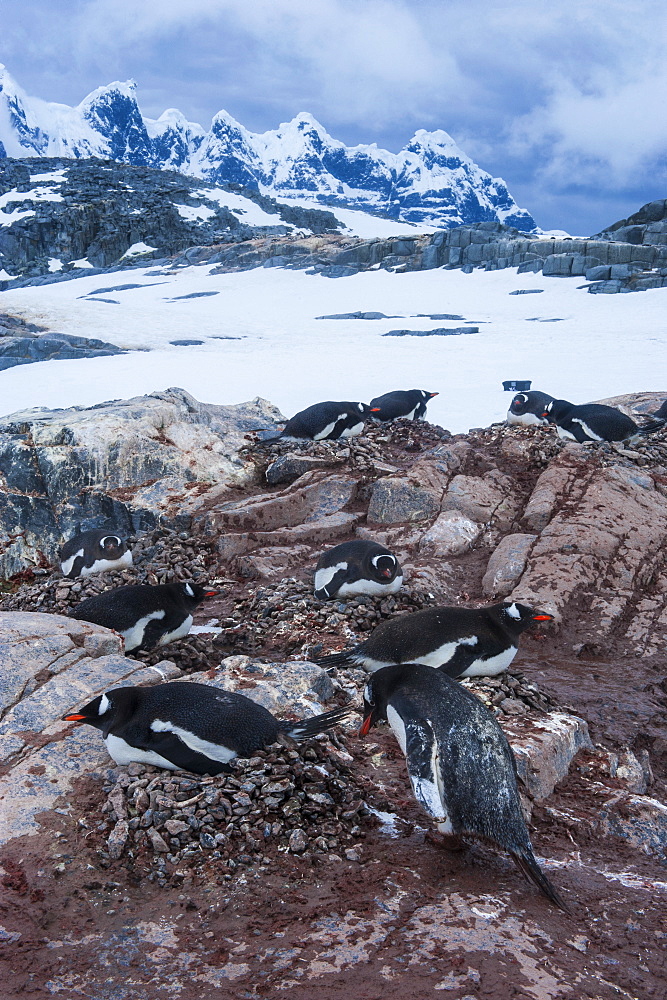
429,182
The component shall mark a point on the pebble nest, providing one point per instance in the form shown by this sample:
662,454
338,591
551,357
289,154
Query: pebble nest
305,801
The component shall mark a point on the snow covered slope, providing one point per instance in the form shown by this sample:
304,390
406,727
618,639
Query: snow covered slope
257,333
429,182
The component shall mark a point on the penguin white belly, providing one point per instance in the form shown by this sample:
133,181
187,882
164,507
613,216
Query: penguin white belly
66,567
134,635
214,751
370,587
124,753
524,419
325,575
565,435
325,431
178,633
369,664
353,431
492,666
102,565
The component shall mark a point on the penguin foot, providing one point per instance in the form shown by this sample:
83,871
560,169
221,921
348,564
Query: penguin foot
446,841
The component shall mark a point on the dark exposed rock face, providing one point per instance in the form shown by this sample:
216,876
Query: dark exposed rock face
22,344
647,226
97,209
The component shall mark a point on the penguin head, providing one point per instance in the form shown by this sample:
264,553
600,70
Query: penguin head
556,410
516,617
428,395
107,709
193,593
379,690
518,404
112,546
385,567
365,409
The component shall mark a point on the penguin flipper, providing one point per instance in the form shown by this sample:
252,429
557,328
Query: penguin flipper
329,591
153,632
421,752
171,747
464,657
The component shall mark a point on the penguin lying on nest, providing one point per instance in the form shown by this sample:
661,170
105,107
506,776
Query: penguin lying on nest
460,765
328,421
464,642
145,616
357,567
596,422
191,726
94,551
527,408
401,403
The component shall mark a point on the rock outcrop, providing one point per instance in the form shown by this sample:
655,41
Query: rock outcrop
136,462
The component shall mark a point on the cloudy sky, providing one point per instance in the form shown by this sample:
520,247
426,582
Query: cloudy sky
564,100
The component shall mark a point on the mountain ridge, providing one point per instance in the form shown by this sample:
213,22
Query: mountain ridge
430,181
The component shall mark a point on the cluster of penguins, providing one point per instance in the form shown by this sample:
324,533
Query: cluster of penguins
460,765
585,423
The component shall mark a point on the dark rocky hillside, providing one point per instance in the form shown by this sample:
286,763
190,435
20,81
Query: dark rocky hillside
97,209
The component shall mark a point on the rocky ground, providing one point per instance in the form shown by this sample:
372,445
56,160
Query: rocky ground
312,869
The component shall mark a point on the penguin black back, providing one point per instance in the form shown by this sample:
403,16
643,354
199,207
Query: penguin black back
402,403
145,615
94,551
193,726
357,567
460,765
527,408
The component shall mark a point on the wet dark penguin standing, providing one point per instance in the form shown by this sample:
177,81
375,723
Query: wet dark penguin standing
527,408
357,567
594,422
94,551
327,421
460,765
402,403
145,616
462,642
190,726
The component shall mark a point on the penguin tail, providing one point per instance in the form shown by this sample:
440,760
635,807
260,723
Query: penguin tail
526,862
306,728
334,659
653,426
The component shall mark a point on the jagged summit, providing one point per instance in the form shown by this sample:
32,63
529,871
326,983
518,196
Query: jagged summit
430,181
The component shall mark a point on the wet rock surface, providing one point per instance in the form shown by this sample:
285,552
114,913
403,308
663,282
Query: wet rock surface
110,862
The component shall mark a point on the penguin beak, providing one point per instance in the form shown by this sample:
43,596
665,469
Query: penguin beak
543,618
364,729
386,572
432,394
74,718
375,409
211,593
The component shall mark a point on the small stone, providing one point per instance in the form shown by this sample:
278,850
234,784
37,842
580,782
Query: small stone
117,839
352,854
157,841
298,841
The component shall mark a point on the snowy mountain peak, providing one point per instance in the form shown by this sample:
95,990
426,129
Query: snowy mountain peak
430,181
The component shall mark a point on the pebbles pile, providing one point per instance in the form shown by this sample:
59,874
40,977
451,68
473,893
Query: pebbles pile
280,799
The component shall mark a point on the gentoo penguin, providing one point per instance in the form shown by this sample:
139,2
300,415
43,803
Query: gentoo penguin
91,552
357,567
190,726
464,642
460,765
145,616
527,408
326,421
402,403
594,422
